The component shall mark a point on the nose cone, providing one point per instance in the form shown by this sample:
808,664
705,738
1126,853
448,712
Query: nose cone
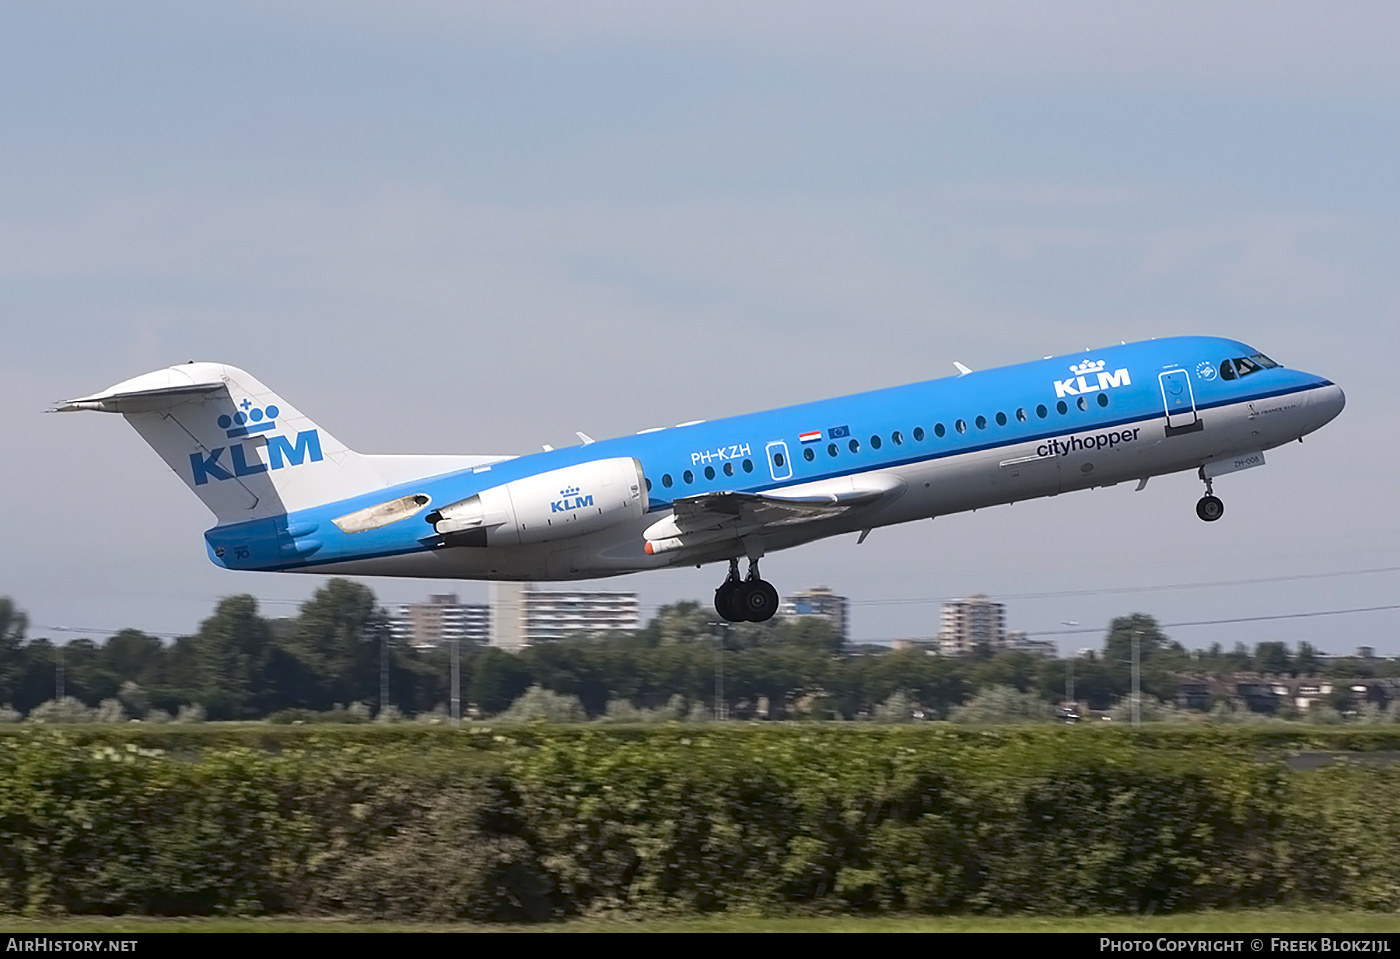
1324,403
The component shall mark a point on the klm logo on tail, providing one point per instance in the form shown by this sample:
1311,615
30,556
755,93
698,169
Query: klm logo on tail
249,421
571,501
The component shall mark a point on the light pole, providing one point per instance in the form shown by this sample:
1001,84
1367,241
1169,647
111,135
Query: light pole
721,712
456,683
58,663
1069,667
1137,680
383,672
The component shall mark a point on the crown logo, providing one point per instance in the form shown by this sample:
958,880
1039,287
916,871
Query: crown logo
248,420
1087,367
571,491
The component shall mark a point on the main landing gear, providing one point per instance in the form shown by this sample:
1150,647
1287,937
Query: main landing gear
1209,508
751,600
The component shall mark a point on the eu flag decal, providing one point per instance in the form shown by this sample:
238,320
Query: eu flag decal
836,432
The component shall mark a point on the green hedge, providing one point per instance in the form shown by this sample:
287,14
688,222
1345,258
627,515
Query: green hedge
498,823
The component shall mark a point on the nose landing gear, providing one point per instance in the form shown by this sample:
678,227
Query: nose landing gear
1209,507
750,600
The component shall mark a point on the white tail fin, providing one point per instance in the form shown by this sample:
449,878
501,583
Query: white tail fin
245,451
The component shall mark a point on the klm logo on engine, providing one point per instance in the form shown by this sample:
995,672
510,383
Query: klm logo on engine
242,459
571,501
1090,377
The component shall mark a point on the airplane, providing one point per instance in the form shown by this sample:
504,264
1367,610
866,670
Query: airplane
289,497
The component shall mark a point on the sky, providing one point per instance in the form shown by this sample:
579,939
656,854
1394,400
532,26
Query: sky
478,227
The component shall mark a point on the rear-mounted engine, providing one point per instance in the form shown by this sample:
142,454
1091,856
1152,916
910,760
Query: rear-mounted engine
560,504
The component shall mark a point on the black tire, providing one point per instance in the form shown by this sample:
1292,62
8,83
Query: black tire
1210,508
727,602
759,601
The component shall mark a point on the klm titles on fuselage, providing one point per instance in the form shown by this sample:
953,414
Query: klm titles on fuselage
281,452
1081,383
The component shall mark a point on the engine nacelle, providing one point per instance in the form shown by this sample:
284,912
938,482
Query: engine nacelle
560,504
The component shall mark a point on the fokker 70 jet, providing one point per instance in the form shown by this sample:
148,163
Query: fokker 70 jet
289,497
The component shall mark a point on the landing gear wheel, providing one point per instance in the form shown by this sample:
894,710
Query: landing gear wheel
727,601
758,601
1210,508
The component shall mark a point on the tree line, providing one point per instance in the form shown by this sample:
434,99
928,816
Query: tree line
337,652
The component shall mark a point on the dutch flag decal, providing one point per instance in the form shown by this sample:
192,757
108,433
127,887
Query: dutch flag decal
812,437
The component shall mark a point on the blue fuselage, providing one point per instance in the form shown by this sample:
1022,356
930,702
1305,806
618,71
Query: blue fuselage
995,436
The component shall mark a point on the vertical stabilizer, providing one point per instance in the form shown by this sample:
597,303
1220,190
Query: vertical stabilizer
244,451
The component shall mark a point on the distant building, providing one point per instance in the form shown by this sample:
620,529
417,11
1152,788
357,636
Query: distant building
965,624
523,616
507,616
818,602
1267,694
1018,641
441,619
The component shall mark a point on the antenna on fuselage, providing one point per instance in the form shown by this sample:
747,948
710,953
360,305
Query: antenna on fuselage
962,370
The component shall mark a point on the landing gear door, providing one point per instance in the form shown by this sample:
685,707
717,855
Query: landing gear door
1179,401
779,465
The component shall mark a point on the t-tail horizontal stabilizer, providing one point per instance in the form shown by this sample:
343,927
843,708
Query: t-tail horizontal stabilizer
246,452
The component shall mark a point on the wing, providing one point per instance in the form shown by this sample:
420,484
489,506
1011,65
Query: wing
712,517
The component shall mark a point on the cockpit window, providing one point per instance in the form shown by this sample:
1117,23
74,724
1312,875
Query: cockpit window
1245,365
